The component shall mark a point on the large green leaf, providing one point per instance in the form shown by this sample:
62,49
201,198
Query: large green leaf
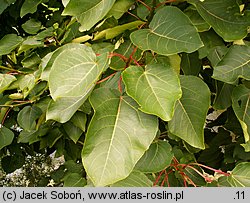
190,111
117,137
9,42
241,107
74,72
5,81
239,177
235,64
135,179
156,89
88,13
156,158
225,17
6,137
169,32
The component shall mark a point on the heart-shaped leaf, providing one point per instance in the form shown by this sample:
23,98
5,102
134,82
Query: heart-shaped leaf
191,111
117,137
169,32
73,74
156,89
225,17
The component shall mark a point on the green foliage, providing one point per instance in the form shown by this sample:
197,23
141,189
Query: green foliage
129,93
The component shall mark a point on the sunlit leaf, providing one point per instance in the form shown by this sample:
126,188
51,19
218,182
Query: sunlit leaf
190,111
88,13
169,32
156,89
5,81
117,137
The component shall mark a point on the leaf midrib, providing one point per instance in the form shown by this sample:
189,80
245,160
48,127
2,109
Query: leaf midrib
112,139
185,112
224,20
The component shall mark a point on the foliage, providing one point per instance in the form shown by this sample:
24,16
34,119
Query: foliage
129,92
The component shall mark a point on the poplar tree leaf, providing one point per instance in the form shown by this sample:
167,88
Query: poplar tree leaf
225,18
241,107
8,43
169,32
74,71
27,117
190,111
239,177
156,158
135,179
156,89
88,13
234,65
117,137
5,81
6,137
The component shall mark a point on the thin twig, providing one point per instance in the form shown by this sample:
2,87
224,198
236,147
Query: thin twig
104,79
148,7
5,116
135,16
158,178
